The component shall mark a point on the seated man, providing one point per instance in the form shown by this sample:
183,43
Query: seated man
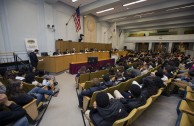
131,99
88,92
106,111
15,115
107,82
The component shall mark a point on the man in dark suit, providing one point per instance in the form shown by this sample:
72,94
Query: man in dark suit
33,58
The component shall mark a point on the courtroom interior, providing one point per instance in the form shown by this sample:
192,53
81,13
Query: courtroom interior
97,62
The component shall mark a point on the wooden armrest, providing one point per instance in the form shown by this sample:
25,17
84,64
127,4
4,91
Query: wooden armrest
86,101
190,99
81,86
31,109
188,111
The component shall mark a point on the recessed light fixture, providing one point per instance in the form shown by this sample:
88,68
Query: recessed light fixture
180,8
119,18
127,8
135,2
74,1
105,10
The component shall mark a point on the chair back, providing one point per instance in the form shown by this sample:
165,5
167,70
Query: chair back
113,88
93,98
31,109
88,84
94,75
39,79
154,97
185,119
27,87
128,84
126,120
84,77
141,109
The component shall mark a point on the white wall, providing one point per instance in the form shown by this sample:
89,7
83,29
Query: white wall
102,37
22,19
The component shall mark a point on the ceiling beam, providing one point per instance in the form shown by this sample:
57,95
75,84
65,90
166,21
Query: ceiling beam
159,17
161,5
88,8
159,24
159,27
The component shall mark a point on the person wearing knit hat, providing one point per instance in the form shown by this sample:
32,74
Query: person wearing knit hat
106,111
135,90
102,100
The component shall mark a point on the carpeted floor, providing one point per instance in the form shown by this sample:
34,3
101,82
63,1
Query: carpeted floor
63,110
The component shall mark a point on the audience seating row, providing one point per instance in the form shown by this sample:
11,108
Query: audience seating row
185,109
135,113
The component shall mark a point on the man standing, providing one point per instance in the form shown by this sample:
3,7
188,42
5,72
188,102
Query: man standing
33,58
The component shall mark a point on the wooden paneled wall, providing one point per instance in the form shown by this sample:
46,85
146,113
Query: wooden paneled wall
63,45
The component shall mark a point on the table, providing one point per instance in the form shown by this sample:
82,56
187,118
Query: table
55,64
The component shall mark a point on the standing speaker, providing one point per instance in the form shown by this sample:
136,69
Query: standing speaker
125,47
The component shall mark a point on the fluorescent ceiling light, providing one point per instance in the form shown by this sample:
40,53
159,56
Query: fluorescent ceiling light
180,8
119,19
74,0
135,2
105,10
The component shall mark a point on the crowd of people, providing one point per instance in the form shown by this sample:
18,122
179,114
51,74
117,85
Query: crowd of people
13,96
107,109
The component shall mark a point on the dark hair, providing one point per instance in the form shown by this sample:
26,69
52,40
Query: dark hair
149,83
106,78
159,73
13,88
29,78
102,99
41,73
191,72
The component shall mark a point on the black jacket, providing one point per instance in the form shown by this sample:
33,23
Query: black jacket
108,115
91,90
23,99
33,59
16,112
130,104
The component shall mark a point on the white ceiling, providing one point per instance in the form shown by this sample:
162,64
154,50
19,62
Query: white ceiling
148,15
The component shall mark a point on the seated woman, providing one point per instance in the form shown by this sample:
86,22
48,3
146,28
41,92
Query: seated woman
15,92
133,100
11,113
106,111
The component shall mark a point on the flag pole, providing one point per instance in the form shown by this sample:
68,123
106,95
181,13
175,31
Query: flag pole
71,16
69,19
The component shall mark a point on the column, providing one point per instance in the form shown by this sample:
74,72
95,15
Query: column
170,47
150,46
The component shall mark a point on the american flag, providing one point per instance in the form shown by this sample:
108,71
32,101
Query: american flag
76,17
